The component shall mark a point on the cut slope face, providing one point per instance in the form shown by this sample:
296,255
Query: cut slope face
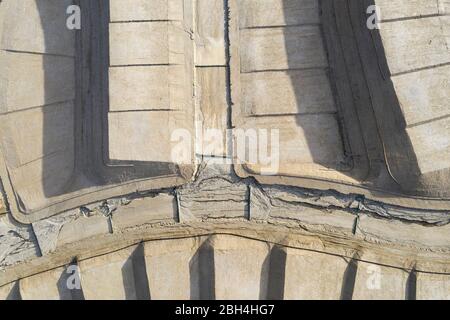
282,81
414,48
149,79
404,64
97,113
229,267
358,110
88,114
38,99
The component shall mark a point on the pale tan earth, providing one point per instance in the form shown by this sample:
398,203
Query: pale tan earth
359,207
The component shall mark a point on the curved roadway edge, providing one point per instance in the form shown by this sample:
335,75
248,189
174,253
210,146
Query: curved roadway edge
219,202
236,265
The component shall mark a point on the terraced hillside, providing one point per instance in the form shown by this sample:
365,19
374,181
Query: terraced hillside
346,198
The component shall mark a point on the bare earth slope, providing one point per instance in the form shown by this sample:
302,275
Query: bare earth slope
86,138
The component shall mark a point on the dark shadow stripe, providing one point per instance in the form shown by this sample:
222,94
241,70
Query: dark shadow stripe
348,282
411,285
277,273
70,277
202,273
141,283
14,294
